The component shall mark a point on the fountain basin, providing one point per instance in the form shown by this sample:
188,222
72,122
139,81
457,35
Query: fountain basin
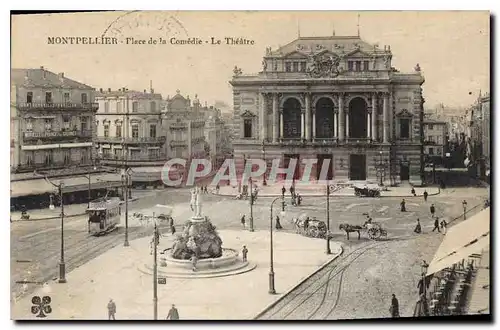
226,265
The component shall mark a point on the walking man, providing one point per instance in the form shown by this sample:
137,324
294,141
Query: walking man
425,195
283,191
413,191
436,225
243,221
403,206
217,188
244,253
394,306
433,210
418,227
173,313
111,310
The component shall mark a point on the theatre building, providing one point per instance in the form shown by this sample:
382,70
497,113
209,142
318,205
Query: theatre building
335,98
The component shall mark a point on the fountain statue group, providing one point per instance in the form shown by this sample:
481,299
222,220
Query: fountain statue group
199,238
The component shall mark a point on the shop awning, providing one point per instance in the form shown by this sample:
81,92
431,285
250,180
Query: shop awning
71,184
466,238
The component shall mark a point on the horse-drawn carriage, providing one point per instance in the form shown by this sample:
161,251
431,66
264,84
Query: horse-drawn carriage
367,191
310,227
373,229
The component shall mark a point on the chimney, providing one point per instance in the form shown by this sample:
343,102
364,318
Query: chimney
389,48
152,91
61,74
41,68
109,90
144,91
100,89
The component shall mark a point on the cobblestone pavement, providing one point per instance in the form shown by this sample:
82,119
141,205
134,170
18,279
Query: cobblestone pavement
242,296
360,283
35,246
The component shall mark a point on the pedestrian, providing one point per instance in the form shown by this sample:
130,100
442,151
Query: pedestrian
403,206
413,191
425,195
173,313
111,310
418,227
243,221
299,199
394,306
436,225
444,225
292,191
433,210
244,253
172,229
283,191
278,223
217,188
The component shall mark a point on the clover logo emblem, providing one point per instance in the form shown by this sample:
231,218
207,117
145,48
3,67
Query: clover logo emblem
41,306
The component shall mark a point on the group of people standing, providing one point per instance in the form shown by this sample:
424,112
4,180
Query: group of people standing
295,197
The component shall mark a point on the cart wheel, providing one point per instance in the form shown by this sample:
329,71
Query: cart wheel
313,232
372,233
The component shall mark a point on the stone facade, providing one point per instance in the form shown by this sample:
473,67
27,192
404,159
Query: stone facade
334,98
185,127
129,127
435,137
52,121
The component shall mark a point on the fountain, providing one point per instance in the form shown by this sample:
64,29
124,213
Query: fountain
197,251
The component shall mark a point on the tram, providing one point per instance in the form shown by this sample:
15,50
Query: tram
104,215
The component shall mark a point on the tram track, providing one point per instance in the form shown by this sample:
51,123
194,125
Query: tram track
76,255
318,281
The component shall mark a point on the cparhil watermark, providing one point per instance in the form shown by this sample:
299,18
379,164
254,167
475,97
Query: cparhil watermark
179,171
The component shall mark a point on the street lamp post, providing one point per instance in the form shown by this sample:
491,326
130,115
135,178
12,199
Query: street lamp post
272,289
464,204
328,250
380,167
125,180
251,205
264,182
155,270
424,268
62,264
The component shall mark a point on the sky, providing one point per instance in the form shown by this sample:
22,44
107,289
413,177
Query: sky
452,48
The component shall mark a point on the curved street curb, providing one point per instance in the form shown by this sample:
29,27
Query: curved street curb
332,196
69,215
286,293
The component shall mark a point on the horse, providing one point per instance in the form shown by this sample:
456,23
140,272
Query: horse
351,229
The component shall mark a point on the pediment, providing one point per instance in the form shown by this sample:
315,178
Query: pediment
178,102
358,53
247,114
404,113
295,54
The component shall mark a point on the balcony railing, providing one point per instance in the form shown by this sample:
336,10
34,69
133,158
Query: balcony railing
72,167
114,139
56,134
178,143
141,157
58,106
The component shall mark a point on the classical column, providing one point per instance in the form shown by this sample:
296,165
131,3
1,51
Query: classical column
281,124
368,126
302,124
347,124
334,123
263,117
308,116
374,117
341,117
314,122
275,117
386,117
